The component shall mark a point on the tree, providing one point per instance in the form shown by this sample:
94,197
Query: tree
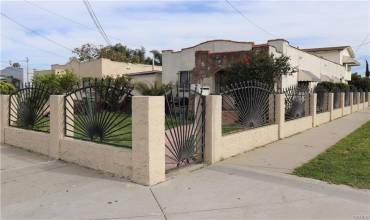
16,65
367,71
260,66
157,58
360,82
87,52
117,52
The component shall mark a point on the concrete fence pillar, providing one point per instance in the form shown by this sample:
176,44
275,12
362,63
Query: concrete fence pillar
331,105
280,113
148,139
368,99
351,101
363,100
313,106
4,116
56,125
342,101
213,128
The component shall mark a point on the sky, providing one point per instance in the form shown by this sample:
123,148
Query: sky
51,29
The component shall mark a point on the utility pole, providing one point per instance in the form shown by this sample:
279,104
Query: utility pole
152,51
28,76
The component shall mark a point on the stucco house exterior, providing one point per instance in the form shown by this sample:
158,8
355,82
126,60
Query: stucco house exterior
105,67
205,62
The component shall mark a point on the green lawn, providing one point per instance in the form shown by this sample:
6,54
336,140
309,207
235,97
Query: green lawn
346,162
231,128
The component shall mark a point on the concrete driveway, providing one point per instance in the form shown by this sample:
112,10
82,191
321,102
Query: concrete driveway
33,187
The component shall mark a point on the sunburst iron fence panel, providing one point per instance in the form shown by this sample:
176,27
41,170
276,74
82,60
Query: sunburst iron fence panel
99,111
366,96
347,100
185,126
336,98
322,104
297,102
29,108
247,105
355,98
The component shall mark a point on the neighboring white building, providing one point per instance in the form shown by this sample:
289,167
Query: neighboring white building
15,73
104,67
207,60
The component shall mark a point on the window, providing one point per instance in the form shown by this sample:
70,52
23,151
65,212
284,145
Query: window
184,78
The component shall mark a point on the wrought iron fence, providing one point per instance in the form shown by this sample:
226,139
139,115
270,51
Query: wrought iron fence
366,96
99,111
29,108
355,97
297,102
336,98
347,100
362,98
247,105
322,104
185,124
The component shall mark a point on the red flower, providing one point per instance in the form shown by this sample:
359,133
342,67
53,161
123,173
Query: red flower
245,60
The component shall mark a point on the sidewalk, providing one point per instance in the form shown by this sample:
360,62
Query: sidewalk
250,186
285,155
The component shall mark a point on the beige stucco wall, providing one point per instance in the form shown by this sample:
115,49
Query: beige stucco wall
103,67
236,143
322,118
148,79
295,126
27,139
336,113
184,60
306,61
148,135
347,110
111,159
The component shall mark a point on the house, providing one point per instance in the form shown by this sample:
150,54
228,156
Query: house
102,67
205,62
13,75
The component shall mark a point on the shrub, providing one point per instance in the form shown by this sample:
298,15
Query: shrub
6,88
260,66
155,89
57,83
333,87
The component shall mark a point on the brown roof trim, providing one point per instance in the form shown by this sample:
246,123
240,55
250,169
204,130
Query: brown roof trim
144,73
208,41
325,48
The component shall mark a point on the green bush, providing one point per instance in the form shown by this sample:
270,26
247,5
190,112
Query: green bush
333,87
156,89
6,88
359,82
261,66
57,83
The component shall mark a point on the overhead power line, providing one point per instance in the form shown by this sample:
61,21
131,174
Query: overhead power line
362,43
96,21
37,48
247,19
35,32
68,19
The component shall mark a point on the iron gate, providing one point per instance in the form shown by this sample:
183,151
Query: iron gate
185,122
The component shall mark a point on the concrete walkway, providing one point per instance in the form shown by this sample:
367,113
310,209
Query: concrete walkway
32,187
285,155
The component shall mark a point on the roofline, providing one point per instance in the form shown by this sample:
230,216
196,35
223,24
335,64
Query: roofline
144,73
208,41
